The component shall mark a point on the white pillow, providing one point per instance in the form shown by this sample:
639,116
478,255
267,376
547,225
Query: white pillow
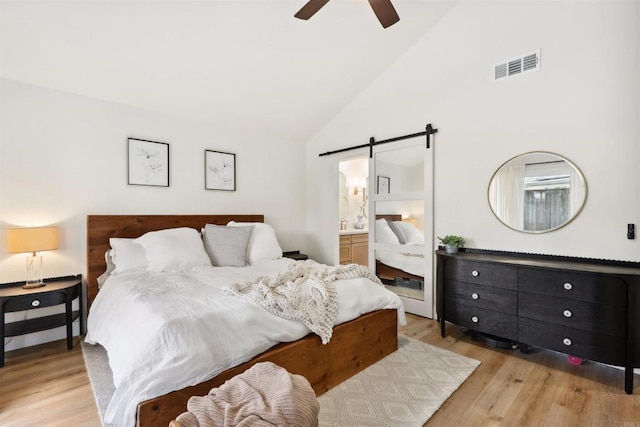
263,244
127,255
110,268
384,234
395,227
108,259
414,236
174,249
226,246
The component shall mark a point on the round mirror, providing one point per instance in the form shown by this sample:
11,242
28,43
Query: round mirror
537,192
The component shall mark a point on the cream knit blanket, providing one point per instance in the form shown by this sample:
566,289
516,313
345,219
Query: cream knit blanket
304,292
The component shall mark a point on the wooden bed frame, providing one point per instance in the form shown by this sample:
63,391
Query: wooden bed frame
354,345
385,272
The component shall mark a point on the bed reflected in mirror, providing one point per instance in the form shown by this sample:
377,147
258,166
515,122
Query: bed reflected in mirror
537,192
401,269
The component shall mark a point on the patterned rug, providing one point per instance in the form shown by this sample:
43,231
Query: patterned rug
404,389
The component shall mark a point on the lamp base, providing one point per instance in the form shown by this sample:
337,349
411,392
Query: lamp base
33,285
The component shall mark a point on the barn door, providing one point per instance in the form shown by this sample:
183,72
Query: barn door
401,221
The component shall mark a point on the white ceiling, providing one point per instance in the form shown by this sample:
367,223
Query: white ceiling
241,63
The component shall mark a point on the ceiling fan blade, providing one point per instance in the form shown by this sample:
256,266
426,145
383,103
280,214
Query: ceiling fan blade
385,12
310,9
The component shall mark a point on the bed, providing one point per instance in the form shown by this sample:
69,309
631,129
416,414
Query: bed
355,344
397,268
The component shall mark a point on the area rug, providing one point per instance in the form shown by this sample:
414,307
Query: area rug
97,362
404,389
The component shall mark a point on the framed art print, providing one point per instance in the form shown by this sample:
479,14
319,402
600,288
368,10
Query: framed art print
219,170
148,163
384,184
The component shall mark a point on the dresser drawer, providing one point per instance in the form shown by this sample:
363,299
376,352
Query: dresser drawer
482,273
587,345
478,319
28,302
502,300
360,238
586,316
574,285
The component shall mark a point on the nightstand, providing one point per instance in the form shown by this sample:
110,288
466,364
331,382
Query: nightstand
61,290
295,255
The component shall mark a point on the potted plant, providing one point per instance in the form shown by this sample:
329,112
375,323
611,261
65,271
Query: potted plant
451,243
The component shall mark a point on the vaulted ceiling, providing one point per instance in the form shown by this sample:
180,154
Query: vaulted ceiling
237,62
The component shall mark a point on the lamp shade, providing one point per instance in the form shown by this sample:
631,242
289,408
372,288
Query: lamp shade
411,220
32,239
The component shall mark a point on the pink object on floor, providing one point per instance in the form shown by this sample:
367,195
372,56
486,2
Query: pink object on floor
574,360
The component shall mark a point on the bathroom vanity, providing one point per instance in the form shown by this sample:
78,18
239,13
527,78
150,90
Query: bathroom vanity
354,247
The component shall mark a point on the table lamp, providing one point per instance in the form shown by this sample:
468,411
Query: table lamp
34,240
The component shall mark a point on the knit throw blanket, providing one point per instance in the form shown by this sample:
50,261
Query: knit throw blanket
264,395
304,292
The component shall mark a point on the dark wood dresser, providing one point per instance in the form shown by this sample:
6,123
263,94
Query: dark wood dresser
583,307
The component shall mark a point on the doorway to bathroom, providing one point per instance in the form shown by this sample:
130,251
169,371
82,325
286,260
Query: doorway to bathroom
353,196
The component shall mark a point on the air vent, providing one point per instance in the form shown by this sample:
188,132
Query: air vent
519,65
501,71
530,62
515,67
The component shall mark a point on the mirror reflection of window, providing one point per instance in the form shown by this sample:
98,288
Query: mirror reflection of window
537,192
547,188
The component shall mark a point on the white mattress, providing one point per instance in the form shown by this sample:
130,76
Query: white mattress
167,331
411,263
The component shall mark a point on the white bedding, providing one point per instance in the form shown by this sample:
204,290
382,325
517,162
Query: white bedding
167,331
411,263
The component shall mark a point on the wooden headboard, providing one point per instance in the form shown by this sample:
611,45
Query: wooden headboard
101,227
390,217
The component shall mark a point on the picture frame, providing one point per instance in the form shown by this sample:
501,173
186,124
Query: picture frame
219,170
148,163
383,184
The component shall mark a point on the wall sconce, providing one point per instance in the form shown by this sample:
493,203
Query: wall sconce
358,183
34,240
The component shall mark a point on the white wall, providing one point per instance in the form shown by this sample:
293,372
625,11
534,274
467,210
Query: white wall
582,104
64,156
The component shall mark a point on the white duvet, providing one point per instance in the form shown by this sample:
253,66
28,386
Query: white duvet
411,263
167,331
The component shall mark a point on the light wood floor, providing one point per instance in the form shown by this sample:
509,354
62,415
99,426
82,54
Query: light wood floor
47,385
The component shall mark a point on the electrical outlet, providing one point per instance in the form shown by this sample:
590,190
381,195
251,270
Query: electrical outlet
631,231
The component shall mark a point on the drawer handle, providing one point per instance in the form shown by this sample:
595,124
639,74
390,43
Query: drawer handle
568,286
475,273
35,303
475,296
567,313
566,341
474,319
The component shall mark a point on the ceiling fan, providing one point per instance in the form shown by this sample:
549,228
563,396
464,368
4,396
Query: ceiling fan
383,9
